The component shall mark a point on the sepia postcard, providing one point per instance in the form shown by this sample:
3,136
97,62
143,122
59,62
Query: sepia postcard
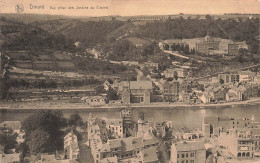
129,81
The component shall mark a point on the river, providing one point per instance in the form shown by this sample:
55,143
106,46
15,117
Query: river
180,117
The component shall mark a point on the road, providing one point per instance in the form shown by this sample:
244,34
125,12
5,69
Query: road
85,152
182,56
163,151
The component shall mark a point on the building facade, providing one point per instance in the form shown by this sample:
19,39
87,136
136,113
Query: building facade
213,126
188,152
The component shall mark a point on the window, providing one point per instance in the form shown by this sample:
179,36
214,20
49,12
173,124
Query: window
187,155
191,161
192,155
182,155
182,161
187,161
177,155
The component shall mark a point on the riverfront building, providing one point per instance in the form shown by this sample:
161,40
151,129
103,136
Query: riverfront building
191,152
133,91
213,126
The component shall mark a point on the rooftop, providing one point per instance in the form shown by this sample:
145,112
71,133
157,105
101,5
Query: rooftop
117,122
141,85
189,146
150,155
255,131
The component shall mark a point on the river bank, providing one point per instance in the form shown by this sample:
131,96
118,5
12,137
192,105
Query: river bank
66,106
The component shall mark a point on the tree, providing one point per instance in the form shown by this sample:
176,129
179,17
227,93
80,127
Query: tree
50,122
39,142
166,47
100,89
112,94
7,138
75,120
175,75
221,81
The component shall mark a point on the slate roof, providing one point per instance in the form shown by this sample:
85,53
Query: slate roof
189,146
150,155
141,85
127,144
137,142
255,131
109,159
150,141
116,143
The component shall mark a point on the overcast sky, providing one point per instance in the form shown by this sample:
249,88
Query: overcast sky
134,7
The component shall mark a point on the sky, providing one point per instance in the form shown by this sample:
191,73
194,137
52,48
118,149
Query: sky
132,7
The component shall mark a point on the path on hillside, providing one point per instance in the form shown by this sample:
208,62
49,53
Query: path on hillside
182,56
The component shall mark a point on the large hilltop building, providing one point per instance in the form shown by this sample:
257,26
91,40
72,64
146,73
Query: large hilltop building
208,45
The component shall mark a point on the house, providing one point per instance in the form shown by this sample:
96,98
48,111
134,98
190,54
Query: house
170,90
236,94
137,92
141,77
172,72
213,126
186,133
246,76
143,128
10,158
190,134
16,127
183,86
107,85
233,47
204,97
162,127
120,86
71,148
255,132
216,92
229,77
149,155
126,96
109,160
168,73
94,100
239,142
181,72
115,126
185,98
192,152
